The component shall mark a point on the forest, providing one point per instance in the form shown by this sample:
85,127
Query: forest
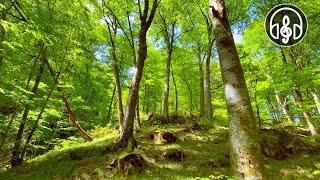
159,89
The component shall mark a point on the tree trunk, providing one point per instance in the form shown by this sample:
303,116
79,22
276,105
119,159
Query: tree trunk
284,106
36,124
146,99
272,110
110,105
176,93
246,156
118,95
17,157
127,134
201,85
189,89
138,113
256,103
6,132
307,115
2,30
31,72
316,99
72,118
112,29
208,74
165,104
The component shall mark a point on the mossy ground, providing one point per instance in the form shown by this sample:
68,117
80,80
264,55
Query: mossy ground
206,155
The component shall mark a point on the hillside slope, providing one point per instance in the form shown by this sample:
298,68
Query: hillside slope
202,152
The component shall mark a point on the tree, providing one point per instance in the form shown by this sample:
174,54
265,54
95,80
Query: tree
17,157
210,41
145,22
168,30
2,30
246,156
112,29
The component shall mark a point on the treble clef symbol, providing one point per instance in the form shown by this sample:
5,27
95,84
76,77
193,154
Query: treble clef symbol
286,31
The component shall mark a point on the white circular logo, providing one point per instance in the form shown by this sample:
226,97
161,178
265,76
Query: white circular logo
286,25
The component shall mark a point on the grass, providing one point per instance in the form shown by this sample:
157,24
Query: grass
206,155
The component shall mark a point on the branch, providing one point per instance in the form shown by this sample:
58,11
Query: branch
131,43
145,11
18,9
186,31
15,16
153,11
140,11
164,27
204,15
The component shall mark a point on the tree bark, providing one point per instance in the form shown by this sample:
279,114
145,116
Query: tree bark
307,115
272,110
118,95
31,72
127,134
315,96
256,103
17,157
284,106
208,72
138,113
110,105
189,89
73,120
165,104
2,30
112,29
246,156
176,93
168,31
201,85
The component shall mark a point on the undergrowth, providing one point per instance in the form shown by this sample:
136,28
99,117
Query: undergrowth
207,157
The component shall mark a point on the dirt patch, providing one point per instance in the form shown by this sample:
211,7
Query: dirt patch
75,156
280,144
163,137
174,155
132,163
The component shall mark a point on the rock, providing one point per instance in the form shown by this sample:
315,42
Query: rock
163,137
174,155
131,163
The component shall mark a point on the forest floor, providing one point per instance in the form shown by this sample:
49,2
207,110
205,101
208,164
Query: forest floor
205,156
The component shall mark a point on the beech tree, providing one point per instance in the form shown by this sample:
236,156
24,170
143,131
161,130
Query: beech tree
75,75
246,156
146,19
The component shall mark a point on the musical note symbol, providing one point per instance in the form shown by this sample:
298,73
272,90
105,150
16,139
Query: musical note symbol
286,31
